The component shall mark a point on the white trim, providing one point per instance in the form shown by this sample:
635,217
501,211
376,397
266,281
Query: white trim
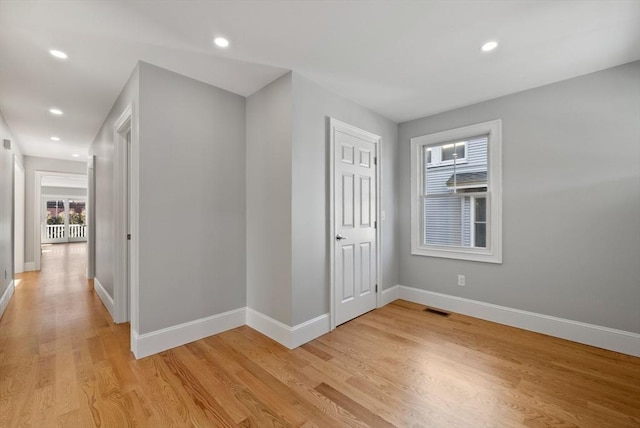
390,294
60,196
590,334
290,337
493,252
309,330
104,296
143,345
270,327
91,201
29,266
375,139
37,210
125,268
19,217
134,220
6,297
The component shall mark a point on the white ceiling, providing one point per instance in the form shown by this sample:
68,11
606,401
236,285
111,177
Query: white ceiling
402,59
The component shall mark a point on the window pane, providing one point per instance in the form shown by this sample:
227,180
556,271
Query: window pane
481,235
427,155
481,209
443,221
449,149
77,212
55,212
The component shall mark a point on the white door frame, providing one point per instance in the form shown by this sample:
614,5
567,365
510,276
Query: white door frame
19,216
91,219
126,220
37,209
333,124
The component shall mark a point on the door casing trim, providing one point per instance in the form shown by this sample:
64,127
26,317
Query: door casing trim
332,125
126,194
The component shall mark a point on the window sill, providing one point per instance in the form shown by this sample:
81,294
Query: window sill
458,253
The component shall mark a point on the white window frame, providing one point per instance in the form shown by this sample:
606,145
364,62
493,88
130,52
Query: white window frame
493,252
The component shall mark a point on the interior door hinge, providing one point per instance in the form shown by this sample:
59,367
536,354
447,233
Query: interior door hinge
128,237
375,224
375,160
376,288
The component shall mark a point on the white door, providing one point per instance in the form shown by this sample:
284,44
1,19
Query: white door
355,208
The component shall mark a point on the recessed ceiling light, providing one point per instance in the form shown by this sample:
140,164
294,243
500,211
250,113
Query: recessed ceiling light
55,138
58,54
75,155
489,46
221,42
55,111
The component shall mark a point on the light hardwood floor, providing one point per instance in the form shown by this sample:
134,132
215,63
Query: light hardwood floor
64,363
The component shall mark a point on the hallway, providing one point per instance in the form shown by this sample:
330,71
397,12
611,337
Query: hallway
50,335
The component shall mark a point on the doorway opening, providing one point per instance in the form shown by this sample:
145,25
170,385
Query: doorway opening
57,195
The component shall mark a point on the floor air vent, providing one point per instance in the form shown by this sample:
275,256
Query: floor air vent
437,312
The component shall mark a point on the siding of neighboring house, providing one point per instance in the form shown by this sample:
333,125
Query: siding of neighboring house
448,218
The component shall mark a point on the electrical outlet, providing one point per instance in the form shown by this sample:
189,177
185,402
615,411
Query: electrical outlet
461,280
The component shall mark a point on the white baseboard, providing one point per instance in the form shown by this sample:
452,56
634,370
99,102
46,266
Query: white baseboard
143,345
291,337
6,298
107,300
602,337
389,295
309,330
29,266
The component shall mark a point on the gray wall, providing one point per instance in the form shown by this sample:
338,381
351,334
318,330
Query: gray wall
192,199
312,106
6,204
64,191
287,196
31,165
571,202
103,149
269,200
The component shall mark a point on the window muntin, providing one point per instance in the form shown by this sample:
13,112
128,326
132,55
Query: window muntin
457,195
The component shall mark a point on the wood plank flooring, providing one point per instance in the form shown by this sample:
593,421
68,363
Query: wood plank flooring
64,363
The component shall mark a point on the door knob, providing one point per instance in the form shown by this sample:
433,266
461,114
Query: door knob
340,237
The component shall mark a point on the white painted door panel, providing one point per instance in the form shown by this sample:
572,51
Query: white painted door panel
355,243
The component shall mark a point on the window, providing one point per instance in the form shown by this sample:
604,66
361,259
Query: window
456,185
